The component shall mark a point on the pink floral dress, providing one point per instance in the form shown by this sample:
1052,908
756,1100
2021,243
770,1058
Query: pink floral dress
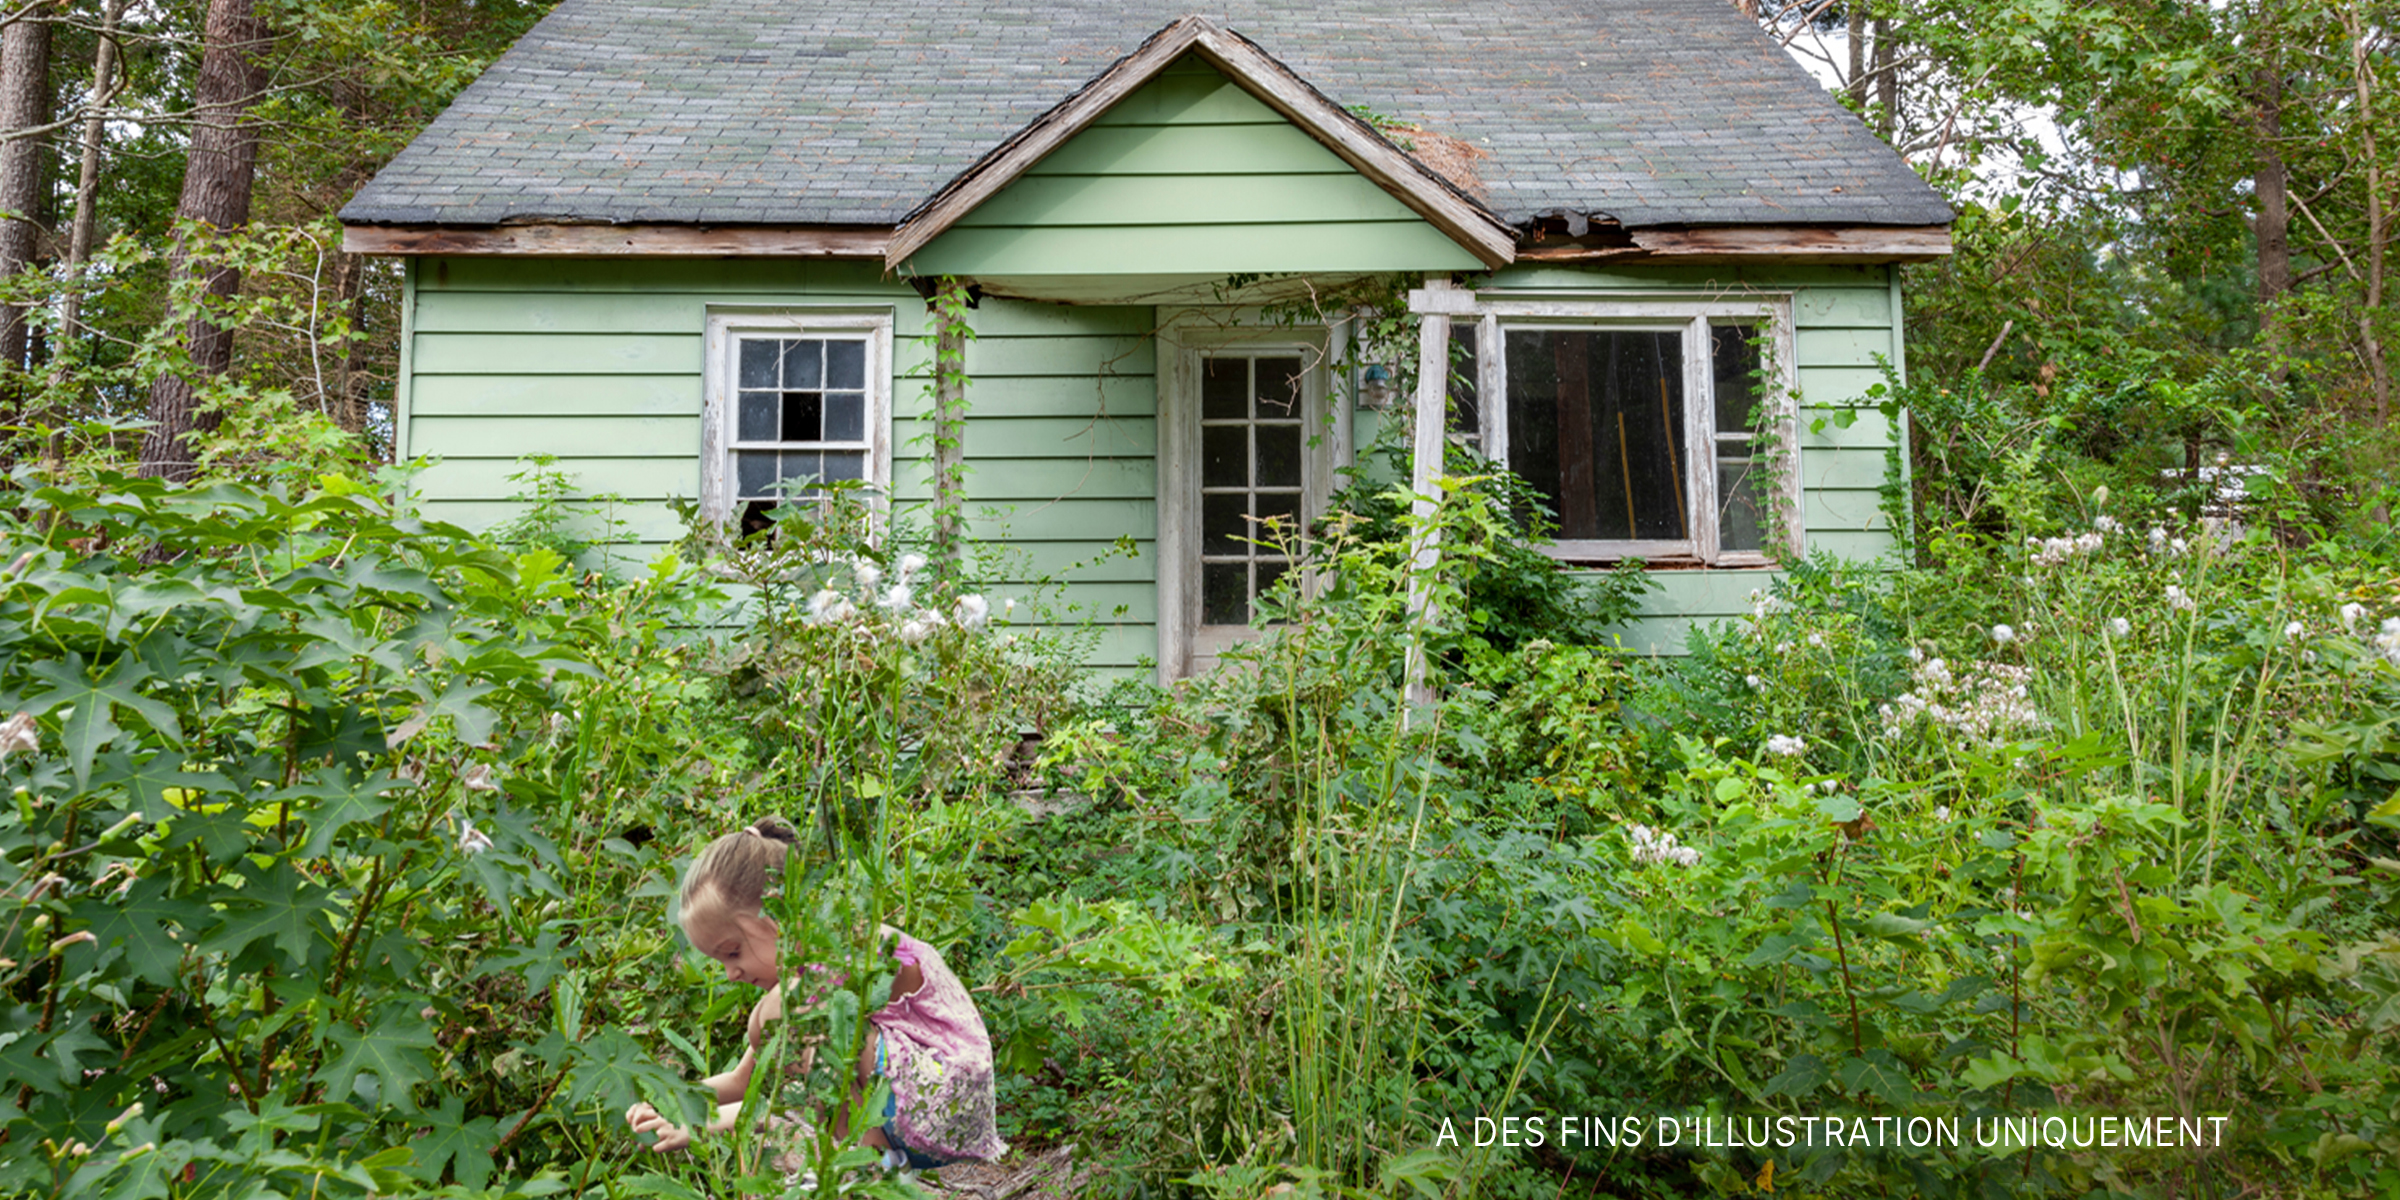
939,1061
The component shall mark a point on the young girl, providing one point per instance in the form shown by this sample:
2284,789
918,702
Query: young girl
928,1041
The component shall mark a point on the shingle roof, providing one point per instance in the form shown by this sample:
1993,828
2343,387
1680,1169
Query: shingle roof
855,112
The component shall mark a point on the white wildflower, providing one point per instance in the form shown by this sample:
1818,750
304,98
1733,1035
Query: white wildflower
18,736
1756,684
1916,654
2388,640
2107,524
902,596
2179,547
917,629
1817,640
1942,813
1658,846
911,563
971,612
829,607
2350,615
479,779
2003,634
1786,746
2120,627
2294,630
866,574
472,840
1008,607
2180,600
2158,539
1984,702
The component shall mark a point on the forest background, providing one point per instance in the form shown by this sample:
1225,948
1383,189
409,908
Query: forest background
324,819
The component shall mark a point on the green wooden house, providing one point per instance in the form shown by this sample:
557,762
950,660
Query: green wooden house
681,246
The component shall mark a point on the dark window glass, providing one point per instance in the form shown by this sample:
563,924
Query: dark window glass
804,364
762,416
845,416
755,472
758,368
846,364
1283,508
845,466
1595,424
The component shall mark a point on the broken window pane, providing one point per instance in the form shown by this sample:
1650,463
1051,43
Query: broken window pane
1741,478
1595,424
803,417
1466,408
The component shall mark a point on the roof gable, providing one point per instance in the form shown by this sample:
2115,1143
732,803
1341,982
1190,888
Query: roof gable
1193,75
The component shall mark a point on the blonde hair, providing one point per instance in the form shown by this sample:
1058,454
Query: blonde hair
734,869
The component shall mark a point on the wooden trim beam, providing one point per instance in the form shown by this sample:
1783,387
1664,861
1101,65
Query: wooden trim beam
1757,243
627,241
1256,72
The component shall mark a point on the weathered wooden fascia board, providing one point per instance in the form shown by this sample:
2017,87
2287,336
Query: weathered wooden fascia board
1256,72
626,241
1761,243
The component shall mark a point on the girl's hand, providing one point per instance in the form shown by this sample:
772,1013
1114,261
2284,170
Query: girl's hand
671,1136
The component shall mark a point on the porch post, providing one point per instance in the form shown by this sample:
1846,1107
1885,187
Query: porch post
1432,413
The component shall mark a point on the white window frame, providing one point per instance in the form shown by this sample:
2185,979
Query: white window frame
726,327
1185,646
1771,313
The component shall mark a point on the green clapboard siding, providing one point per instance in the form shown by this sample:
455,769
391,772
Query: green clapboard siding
1190,174
598,363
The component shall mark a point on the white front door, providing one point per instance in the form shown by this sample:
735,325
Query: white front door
1246,458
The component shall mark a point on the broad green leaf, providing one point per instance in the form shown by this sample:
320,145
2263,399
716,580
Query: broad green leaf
343,803
1800,1077
1894,927
147,780
392,1049
144,922
458,1141
1877,1073
274,905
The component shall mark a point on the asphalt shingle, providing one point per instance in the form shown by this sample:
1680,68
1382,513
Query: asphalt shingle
855,112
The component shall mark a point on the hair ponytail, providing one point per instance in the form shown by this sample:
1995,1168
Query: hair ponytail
736,867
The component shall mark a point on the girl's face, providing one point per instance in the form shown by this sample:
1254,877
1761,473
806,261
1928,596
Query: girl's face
744,942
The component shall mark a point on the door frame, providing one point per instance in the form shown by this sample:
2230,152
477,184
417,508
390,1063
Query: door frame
1185,335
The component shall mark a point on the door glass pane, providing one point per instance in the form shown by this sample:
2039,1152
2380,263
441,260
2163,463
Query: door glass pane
1224,523
1224,456
1281,507
1278,389
1595,424
1279,456
1225,593
1224,388
1466,408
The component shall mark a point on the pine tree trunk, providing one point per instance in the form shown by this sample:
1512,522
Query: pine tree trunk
217,178
2272,225
24,106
